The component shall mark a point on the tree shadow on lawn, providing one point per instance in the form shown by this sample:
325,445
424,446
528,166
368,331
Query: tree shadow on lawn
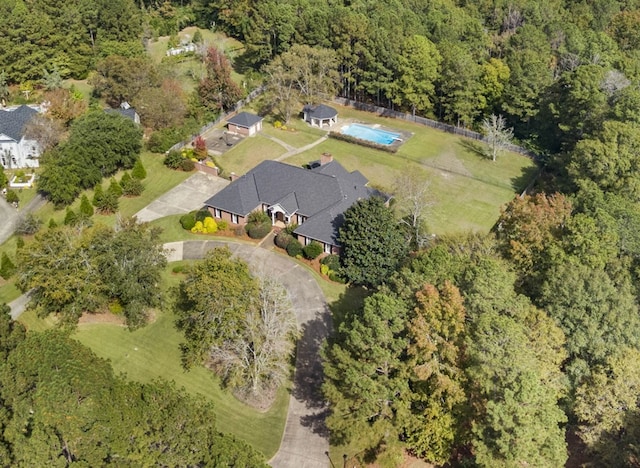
526,177
474,147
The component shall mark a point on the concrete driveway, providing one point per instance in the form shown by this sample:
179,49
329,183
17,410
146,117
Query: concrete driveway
188,196
305,440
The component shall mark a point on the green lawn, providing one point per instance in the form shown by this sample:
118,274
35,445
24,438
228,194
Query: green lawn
248,153
468,189
184,70
159,180
297,133
152,352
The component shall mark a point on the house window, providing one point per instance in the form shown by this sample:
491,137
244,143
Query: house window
307,241
327,248
234,218
217,213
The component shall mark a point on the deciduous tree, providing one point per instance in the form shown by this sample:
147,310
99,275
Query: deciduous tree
413,199
497,135
257,359
217,91
212,303
436,334
597,314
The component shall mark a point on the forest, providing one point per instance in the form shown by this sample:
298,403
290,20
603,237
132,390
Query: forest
487,349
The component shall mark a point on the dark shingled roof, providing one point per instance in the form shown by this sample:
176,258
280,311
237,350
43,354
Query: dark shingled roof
321,195
320,111
244,119
289,203
12,123
129,113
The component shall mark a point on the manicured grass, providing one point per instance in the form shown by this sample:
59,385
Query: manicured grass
468,189
153,352
159,180
30,320
298,133
248,153
8,291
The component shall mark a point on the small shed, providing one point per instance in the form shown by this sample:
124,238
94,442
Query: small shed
245,124
320,115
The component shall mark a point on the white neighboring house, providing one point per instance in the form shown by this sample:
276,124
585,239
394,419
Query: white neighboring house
15,150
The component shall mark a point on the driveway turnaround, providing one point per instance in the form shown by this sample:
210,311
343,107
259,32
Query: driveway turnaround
305,440
188,196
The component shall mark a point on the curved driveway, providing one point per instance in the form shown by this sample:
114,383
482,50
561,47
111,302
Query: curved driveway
305,439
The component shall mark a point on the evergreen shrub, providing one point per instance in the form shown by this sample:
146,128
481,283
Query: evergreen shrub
312,250
294,248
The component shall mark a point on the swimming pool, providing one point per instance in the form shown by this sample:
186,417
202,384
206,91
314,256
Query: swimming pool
376,135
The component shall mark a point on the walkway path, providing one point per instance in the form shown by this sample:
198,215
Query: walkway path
305,438
291,150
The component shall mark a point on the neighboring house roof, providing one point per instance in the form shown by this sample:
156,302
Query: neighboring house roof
321,194
129,112
320,111
244,120
12,123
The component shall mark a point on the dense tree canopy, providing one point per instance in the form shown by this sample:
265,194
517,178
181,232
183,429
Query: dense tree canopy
64,406
72,270
241,326
44,34
372,243
99,144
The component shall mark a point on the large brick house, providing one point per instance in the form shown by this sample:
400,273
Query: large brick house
314,199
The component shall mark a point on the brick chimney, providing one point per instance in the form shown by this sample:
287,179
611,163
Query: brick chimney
233,177
326,158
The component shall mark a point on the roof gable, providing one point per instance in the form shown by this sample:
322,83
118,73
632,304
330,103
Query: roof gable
12,123
320,111
321,195
244,119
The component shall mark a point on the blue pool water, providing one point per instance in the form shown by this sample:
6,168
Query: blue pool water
363,132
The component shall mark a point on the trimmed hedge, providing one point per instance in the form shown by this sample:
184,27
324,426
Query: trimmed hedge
332,261
188,221
201,215
294,248
258,231
173,160
312,250
358,141
283,239
187,165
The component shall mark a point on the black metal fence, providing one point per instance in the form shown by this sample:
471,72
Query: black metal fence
385,112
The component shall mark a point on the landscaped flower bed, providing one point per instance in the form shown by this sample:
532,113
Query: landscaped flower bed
22,180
